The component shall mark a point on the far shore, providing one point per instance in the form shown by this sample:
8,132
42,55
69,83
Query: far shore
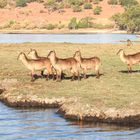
64,31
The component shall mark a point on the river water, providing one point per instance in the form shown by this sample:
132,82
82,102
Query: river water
68,38
46,124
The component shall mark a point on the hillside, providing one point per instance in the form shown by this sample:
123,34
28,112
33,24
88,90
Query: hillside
36,15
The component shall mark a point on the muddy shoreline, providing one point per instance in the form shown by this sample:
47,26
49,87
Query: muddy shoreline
86,114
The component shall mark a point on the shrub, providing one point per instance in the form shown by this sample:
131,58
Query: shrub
60,26
51,26
85,23
113,2
87,6
77,8
21,3
3,3
73,23
97,10
50,2
128,3
76,2
101,26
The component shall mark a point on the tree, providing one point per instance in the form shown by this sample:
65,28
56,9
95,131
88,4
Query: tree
129,20
73,23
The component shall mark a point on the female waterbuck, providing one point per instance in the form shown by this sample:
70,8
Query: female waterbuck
130,59
64,64
92,63
34,55
35,65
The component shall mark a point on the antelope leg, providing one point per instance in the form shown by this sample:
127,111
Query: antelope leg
79,79
42,75
59,77
97,74
73,77
32,77
84,72
129,68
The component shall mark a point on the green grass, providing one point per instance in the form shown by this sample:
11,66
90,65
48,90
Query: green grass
113,89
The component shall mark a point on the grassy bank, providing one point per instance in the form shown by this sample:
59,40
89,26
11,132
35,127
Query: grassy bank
116,88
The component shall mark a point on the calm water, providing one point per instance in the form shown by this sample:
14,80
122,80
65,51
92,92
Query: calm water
69,38
33,124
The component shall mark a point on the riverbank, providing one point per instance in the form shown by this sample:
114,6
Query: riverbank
64,31
114,98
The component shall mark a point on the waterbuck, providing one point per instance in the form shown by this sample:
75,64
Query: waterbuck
92,63
64,64
34,55
130,59
34,65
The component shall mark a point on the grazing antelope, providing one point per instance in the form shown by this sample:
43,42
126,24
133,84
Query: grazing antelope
130,59
34,55
34,65
88,63
129,42
64,64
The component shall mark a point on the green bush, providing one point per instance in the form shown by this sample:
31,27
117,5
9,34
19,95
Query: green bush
113,2
129,20
128,3
97,10
85,23
73,23
76,2
87,6
51,26
77,8
3,3
50,2
21,3
101,26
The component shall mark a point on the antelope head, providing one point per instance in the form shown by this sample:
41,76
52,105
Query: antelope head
77,55
32,52
51,54
120,52
21,56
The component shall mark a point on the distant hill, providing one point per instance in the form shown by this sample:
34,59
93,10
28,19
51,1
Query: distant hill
50,14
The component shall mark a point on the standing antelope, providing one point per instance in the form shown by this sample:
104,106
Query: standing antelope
88,63
64,64
34,65
130,59
34,55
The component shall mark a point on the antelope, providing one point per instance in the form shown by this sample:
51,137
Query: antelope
34,55
129,42
34,65
64,64
130,59
88,63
